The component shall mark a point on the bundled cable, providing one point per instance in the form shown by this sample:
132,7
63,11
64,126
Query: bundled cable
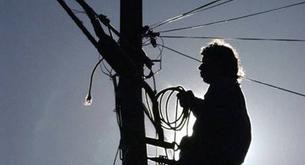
164,98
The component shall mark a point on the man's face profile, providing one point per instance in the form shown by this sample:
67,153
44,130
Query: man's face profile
209,69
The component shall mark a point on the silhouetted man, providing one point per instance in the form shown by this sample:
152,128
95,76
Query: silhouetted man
222,131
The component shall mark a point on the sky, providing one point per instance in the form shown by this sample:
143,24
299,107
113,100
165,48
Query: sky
46,64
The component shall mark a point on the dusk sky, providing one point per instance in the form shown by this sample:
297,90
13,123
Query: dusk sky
46,64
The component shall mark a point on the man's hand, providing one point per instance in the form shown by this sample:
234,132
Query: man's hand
186,99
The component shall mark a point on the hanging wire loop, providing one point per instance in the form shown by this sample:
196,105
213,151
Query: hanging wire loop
164,98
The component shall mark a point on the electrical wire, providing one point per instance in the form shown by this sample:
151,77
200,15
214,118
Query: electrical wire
166,107
210,7
180,53
236,38
88,99
232,19
275,87
190,13
179,122
186,14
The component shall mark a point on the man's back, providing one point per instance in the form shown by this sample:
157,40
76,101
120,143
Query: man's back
222,132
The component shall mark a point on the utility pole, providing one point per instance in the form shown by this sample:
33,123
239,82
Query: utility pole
129,90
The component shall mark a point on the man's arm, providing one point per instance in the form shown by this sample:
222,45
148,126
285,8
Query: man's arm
189,101
197,106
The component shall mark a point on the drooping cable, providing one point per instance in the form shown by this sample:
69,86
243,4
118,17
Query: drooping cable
236,38
232,19
88,99
275,87
180,53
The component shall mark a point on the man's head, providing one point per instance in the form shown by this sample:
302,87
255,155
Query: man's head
219,62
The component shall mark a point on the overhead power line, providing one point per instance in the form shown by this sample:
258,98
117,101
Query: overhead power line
236,38
275,87
233,19
180,53
189,13
249,79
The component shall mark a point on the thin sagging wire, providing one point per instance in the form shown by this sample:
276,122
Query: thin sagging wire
180,53
88,99
275,87
186,14
249,79
232,19
236,38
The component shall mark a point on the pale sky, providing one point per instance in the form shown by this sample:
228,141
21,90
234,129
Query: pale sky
46,63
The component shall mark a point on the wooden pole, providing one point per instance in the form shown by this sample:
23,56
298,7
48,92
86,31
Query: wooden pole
130,92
